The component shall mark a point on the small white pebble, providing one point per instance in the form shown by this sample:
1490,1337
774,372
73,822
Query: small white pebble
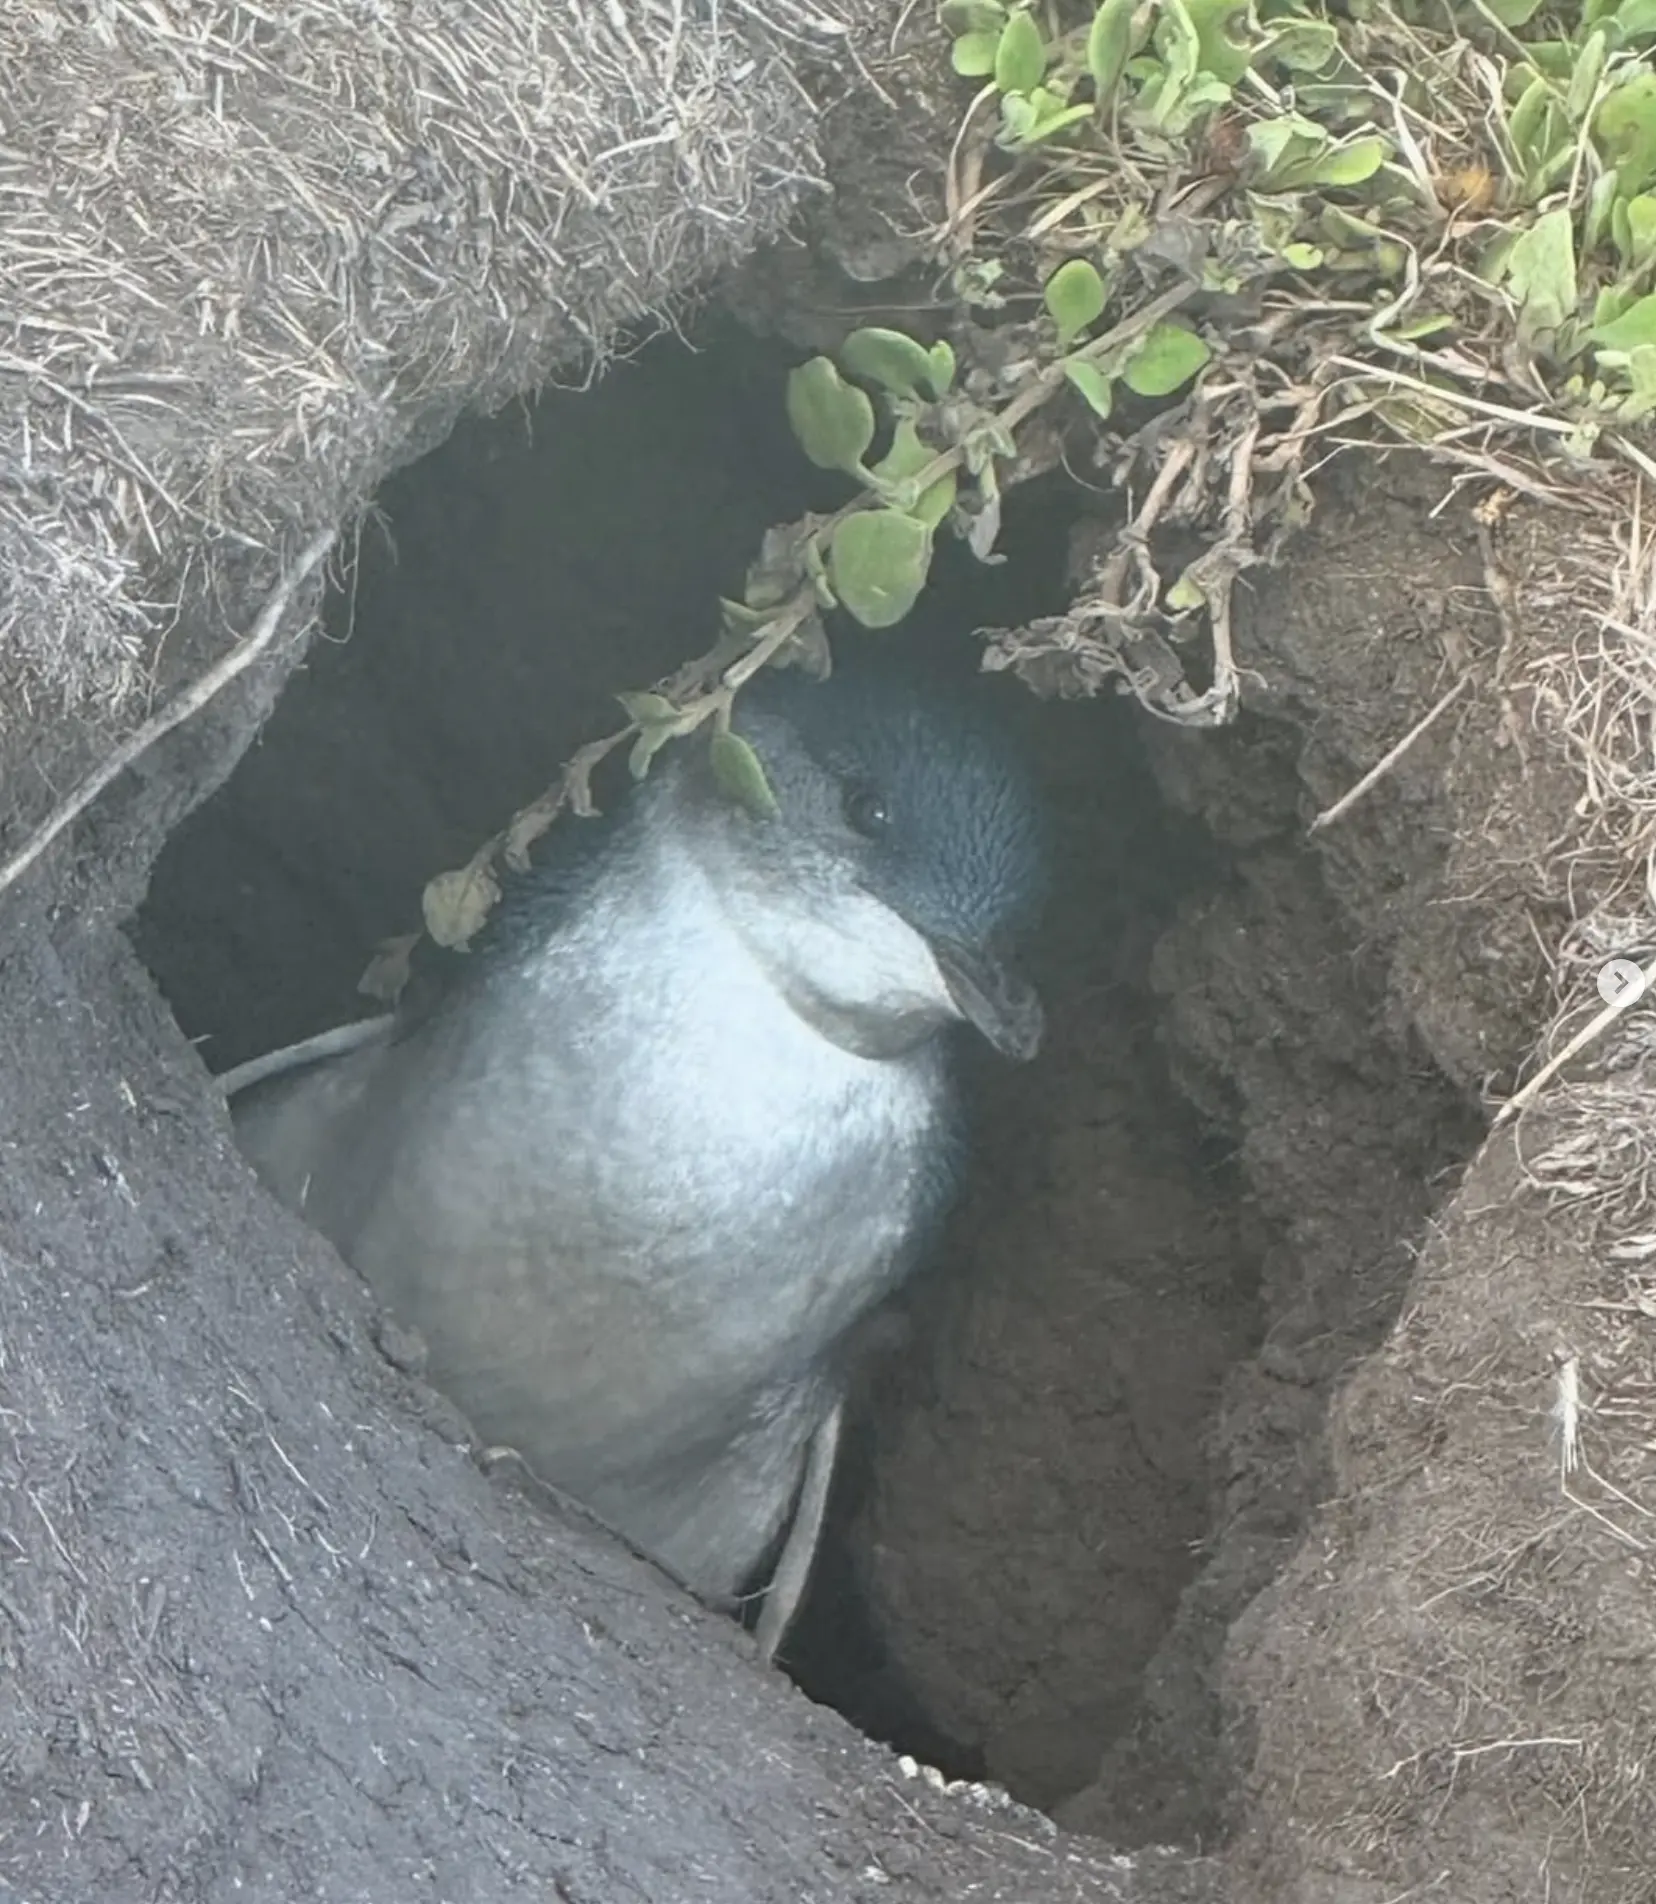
986,1797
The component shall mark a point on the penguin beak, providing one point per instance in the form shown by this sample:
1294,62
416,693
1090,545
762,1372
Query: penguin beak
1004,1007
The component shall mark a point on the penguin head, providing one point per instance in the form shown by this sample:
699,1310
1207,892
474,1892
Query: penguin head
903,860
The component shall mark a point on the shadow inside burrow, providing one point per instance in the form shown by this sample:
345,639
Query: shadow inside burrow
510,584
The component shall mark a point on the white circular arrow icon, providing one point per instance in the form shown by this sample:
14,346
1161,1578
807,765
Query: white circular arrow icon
1620,982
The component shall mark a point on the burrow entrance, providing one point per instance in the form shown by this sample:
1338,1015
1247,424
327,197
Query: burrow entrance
1185,1218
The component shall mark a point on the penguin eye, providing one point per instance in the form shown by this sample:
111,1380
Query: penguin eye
865,810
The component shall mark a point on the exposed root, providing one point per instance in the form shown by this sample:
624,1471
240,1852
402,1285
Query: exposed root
1389,759
176,712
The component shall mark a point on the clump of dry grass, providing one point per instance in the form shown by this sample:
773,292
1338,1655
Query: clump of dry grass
1591,688
1401,330
1405,334
251,258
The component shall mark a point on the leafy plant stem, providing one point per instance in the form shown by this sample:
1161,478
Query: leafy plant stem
1515,47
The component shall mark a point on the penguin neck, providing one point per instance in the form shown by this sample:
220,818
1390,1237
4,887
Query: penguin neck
845,964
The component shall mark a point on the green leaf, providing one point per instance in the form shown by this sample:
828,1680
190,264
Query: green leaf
649,743
650,710
833,419
1175,88
889,358
1186,594
1341,227
972,16
940,368
1533,137
1336,101
1554,58
1640,225
1302,257
878,563
1633,228
1424,327
1216,52
1093,385
1020,58
1635,328
1168,357
1276,219
1049,118
1351,164
1178,42
1608,305
1277,145
1635,20
1583,440
1540,268
973,55
741,618
659,721
738,769
1017,120
907,456
1495,256
1291,153
1109,46
1602,205
1204,90
1584,80
935,503
1303,46
1514,12
1626,127
905,459
1074,296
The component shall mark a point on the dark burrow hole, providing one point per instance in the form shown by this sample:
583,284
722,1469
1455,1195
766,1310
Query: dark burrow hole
1039,1531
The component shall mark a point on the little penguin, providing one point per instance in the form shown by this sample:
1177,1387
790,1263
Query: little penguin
688,1114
